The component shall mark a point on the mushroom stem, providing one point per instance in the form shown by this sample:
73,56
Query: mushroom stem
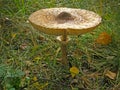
64,36
64,53
64,48
64,39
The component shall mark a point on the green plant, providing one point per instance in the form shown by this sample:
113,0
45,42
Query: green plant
23,54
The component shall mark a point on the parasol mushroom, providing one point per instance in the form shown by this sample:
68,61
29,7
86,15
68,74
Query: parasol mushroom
63,22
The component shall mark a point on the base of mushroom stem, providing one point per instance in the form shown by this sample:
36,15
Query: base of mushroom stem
64,48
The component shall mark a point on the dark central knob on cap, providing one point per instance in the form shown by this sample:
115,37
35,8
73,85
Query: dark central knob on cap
65,16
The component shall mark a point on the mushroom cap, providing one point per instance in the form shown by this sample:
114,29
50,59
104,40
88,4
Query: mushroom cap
57,21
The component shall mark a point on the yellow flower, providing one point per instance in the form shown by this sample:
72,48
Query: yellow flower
74,71
104,38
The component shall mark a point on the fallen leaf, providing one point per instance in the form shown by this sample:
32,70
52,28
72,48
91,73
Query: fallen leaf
110,74
34,78
23,46
28,63
13,35
74,71
116,87
94,75
85,81
27,73
104,38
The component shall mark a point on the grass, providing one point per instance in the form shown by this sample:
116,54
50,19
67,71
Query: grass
29,59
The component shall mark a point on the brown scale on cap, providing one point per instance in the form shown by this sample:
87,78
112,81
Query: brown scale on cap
63,17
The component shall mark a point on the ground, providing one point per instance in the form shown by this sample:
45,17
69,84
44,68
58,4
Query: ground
30,60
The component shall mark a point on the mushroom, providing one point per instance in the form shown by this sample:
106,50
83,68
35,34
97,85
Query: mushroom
63,22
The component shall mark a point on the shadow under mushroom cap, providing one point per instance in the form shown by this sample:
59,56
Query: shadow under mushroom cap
56,20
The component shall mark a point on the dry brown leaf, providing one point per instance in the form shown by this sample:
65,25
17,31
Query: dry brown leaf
27,72
28,63
110,74
23,46
116,87
104,38
85,80
94,75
